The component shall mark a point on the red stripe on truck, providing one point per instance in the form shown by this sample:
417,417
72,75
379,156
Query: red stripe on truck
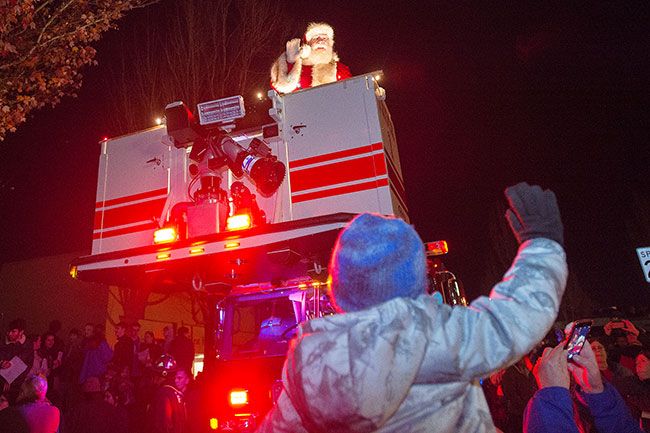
125,231
339,172
129,214
128,198
335,155
340,190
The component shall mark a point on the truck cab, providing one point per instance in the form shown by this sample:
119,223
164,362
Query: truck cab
254,330
255,326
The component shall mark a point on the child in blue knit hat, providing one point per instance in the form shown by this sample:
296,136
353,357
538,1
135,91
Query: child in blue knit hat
396,361
376,259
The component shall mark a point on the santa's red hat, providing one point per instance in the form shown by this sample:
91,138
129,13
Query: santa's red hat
315,29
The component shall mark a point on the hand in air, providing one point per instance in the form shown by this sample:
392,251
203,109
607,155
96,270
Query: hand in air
293,50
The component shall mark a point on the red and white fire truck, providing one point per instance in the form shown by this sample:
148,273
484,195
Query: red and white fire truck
249,216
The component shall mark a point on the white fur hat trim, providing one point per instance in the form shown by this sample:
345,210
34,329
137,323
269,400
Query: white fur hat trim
314,29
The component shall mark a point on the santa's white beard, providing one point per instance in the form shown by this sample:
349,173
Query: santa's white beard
319,57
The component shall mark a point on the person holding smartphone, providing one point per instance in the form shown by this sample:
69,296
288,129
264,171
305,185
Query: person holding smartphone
551,408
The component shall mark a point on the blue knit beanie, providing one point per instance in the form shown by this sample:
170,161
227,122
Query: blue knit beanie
376,259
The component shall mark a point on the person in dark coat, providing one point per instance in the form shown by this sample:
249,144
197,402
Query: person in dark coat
182,349
15,344
94,414
518,386
123,351
11,421
167,412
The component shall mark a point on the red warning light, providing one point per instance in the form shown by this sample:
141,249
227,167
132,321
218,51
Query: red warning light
436,248
239,222
164,235
238,397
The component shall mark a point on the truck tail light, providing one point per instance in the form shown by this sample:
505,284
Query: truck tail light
164,235
238,397
238,222
436,248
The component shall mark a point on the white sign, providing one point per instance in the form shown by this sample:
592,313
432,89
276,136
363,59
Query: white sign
15,369
644,258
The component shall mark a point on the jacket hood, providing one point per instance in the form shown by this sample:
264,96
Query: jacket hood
343,359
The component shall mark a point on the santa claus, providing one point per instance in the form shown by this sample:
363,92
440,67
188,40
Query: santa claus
308,65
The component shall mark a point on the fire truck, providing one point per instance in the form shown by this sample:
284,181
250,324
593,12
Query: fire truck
248,217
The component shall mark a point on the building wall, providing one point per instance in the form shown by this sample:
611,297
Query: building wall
175,310
41,290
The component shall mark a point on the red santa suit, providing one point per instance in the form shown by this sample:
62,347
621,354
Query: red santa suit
314,64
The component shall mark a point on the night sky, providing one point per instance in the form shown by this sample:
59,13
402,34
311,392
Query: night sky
482,96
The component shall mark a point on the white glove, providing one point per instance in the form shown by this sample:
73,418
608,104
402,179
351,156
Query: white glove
380,93
293,50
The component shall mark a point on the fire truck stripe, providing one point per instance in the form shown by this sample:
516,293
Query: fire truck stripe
340,190
339,172
125,231
129,198
145,211
335,155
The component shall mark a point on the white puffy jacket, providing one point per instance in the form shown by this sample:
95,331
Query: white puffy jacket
411,365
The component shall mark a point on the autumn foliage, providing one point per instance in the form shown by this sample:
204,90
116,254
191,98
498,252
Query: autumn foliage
44,44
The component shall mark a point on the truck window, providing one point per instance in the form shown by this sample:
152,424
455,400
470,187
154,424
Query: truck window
263,327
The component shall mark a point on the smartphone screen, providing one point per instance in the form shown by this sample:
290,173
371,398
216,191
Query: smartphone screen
578,338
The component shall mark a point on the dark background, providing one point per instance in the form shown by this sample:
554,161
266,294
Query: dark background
482,96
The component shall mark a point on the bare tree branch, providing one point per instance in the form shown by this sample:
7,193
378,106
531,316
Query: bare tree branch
160,300
199,50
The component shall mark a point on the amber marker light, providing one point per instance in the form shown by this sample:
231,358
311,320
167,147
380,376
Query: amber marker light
214,423
197,250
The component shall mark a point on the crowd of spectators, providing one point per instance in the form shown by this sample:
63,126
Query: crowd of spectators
620,353
83,385
393,360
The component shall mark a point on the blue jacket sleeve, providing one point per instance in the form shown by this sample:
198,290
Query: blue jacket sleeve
550,411
610,413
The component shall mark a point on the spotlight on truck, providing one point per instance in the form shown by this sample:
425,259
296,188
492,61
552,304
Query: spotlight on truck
257,162
210,137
